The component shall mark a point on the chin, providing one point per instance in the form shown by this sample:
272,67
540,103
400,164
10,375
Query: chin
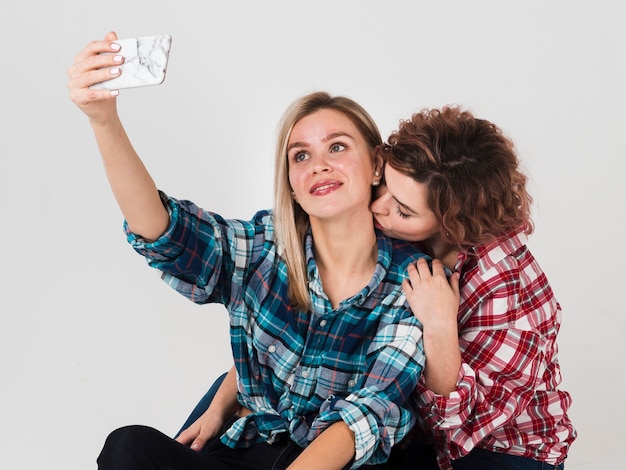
399,236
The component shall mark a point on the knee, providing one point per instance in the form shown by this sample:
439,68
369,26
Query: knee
125,447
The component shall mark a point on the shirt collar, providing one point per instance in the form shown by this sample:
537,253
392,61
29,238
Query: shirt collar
385,251
490,254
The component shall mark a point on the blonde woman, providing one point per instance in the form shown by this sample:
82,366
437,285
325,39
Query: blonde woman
326,349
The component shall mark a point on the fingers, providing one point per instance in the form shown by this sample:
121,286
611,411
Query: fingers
419,269
194,439
111,36
413,274
198,443
422,273
435,268
407,287
97,62
95,48
186,436
195,436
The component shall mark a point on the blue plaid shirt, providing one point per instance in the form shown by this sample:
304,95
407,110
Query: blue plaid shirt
299,371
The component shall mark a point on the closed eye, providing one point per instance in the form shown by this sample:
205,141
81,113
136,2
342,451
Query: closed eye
402,215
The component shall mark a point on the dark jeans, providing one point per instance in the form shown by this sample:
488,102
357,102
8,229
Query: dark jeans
145,448
419,456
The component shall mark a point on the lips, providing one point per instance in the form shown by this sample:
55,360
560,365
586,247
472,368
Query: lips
324,187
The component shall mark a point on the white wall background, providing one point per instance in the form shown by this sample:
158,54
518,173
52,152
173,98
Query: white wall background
91,339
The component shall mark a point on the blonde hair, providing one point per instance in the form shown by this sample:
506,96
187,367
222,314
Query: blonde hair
291,222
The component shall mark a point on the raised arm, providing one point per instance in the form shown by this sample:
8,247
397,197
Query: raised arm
132,185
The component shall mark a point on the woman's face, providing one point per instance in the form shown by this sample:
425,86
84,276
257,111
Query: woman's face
331,167
401,209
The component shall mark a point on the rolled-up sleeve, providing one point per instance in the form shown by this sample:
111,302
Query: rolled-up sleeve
378,410
202,255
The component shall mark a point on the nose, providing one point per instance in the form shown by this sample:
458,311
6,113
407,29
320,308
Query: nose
380,205
320,164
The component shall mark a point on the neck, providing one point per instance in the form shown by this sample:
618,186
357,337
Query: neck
346,254
443,251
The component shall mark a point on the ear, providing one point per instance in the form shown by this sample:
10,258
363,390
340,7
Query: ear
378,164
379,159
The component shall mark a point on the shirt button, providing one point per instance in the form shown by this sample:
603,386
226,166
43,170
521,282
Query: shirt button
351,383
323,323
272,348
305,374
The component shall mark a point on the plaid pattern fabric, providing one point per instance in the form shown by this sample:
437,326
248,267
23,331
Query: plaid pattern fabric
507,398
299,371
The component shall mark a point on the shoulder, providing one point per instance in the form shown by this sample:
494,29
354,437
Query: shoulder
403,252
506,251
191,217
264,217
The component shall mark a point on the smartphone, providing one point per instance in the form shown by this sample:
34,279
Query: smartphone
145,62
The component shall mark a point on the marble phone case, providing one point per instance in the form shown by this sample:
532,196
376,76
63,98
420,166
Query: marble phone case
145,62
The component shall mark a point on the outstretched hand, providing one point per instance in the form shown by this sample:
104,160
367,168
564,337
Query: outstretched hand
97,62
133,187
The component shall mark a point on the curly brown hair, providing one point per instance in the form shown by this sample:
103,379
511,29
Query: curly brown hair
475,186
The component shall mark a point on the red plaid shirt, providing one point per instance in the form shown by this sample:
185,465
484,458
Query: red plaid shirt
507,397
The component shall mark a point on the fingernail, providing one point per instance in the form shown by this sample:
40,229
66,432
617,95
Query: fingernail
115,92
115,46
194,446
115,71
118,58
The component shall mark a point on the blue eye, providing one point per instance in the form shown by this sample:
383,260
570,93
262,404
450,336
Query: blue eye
299,157
337,148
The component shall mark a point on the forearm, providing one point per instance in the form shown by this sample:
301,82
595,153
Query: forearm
434,300
333,449
132,185
211,423
443,360
225,403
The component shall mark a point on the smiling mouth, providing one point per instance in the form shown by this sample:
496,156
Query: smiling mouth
324,188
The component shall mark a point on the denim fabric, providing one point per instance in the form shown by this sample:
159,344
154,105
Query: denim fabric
418,456
145,448
484,459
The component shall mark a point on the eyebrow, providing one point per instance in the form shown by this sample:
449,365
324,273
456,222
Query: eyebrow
329,137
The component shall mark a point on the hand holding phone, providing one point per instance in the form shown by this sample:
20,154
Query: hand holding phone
145,62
